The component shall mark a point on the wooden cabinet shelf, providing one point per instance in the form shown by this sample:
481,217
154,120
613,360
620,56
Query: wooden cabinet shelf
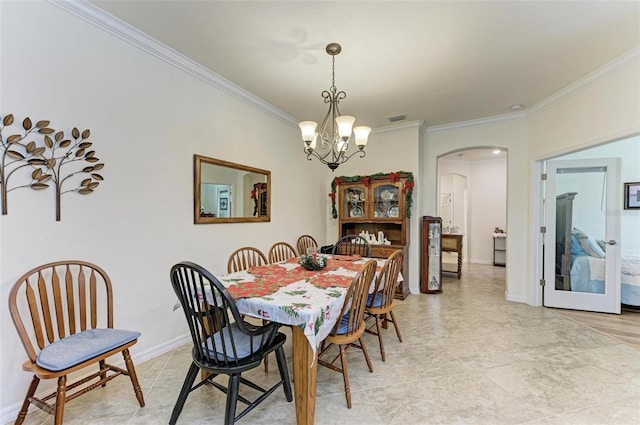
378,206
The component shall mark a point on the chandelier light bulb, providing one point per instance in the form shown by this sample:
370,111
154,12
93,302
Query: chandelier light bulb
308,129
362,135
345,124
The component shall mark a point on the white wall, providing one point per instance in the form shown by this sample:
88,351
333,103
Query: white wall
147,120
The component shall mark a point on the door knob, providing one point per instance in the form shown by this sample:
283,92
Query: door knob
611,242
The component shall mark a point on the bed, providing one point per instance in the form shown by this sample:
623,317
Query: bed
580,262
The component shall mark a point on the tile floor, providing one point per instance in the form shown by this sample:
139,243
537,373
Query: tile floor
468,357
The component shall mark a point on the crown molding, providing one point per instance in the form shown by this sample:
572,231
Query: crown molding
616,65
627,59
394,127
477,122
109,23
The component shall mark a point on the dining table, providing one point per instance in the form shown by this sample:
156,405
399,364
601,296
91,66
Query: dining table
309,301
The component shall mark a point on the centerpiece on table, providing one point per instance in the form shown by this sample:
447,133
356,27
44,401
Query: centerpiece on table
313,261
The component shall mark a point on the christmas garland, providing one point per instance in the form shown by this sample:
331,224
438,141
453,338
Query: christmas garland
407,188
254,196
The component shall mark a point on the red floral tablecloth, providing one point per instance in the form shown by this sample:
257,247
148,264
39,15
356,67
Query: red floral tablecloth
286,293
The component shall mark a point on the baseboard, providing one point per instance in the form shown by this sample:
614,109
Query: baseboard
9,413
489,262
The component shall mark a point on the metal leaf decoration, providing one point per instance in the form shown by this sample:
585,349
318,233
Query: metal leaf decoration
17,153
47,159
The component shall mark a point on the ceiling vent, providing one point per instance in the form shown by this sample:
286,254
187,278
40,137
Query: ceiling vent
397,118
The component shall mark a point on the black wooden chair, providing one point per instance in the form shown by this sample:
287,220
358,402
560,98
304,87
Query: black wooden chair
223,343
352,244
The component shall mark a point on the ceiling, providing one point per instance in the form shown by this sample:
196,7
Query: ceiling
438,61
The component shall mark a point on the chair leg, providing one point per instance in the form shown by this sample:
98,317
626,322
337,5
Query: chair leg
103,374
25,405
232,399
132,375
366,354
184,392
395,325
284,373
379,329
61,395
345,374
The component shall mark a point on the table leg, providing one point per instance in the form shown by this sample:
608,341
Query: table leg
305,369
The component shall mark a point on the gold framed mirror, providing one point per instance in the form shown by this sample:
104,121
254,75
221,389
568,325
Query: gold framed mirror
226,192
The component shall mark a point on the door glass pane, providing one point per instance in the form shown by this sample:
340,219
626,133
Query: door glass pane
580,229
433,282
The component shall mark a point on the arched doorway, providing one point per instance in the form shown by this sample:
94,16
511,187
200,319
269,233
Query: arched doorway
472,194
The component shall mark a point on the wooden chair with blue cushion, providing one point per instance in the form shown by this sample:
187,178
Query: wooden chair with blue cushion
223,343
352,245
380,302
304,242
242,259
350,328
63,312
245,257
281,251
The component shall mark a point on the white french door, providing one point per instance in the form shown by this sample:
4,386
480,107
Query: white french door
582,196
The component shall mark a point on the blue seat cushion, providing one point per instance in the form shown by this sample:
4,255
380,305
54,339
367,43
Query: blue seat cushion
378,300
343,328
75,349
242,343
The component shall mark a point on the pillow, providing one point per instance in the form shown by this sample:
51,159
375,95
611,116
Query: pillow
601,244
589,246
576,247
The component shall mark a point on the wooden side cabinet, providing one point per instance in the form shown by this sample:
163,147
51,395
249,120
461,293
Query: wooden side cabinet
453,243
431,255
500,250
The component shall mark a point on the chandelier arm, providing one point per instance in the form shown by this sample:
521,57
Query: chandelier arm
346,158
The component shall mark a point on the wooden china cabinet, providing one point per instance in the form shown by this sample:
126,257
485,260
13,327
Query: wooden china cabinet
379,206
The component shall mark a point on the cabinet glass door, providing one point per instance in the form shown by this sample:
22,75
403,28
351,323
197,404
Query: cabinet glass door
434,276
354,202
386,201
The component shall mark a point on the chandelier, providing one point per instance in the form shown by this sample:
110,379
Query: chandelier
334,133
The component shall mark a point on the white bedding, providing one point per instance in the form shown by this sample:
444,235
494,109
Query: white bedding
588,273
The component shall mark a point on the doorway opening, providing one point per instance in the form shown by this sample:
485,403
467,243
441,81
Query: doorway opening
472,194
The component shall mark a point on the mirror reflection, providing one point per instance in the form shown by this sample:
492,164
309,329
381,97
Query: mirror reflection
226,192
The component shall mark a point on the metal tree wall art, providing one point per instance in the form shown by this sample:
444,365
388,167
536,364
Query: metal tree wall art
16,154
57,161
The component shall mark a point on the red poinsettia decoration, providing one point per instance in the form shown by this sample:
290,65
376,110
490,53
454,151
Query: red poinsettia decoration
365,181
